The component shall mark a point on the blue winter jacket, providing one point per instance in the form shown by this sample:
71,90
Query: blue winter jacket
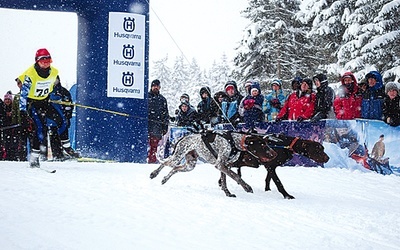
273,103
372,99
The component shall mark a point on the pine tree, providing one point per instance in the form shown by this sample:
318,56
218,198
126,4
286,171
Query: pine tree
326,28
161,71
219,74
372,37
275,44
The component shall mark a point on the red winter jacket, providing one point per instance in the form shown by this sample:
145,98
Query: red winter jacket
296,107
348,106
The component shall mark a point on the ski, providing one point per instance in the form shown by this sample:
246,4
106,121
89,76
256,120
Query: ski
88,159
49,171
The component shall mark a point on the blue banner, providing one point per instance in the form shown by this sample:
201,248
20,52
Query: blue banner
358,144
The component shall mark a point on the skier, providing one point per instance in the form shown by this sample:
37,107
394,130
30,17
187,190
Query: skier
39,81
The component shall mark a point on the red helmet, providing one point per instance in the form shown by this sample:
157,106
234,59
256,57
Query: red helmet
42,53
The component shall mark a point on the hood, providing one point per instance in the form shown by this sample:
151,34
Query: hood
378,77
233,83
322,78
256,85
351,75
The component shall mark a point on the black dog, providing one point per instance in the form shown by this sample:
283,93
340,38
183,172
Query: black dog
285,147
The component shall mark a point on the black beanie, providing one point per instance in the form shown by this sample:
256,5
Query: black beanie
155,83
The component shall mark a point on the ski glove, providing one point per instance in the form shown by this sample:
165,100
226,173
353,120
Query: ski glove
275,103
248,103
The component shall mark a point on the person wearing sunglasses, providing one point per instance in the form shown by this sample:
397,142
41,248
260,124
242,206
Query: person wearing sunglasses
39,82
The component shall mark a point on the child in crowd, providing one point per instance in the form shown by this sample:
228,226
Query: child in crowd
205,109
219,97
252,107
187,117
274,101
391,105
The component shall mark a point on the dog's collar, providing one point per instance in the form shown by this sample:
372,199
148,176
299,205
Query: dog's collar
243,143
293,142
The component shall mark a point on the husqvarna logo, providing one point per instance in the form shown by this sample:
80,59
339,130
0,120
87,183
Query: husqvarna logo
129,24
128,79
128,51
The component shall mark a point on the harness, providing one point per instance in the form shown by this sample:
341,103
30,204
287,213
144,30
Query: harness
209,137
290,147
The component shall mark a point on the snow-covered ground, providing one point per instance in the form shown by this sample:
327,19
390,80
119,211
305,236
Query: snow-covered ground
117,206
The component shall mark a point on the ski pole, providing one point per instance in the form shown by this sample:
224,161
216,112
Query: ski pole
10,127
87,107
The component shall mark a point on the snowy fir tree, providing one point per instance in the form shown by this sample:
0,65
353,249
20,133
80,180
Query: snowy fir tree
371,37
357,36
187,77
275,44
161,71
292,38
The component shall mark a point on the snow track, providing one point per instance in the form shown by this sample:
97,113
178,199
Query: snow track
117,206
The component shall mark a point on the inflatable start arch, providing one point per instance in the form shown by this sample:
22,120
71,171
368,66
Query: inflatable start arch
112,74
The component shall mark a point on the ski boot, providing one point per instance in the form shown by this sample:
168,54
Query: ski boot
68,151
34,159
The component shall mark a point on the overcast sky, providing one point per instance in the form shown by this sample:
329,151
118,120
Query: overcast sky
202,29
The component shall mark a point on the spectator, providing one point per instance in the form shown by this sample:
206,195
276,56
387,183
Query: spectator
362,87
219,97
9,134
372,99
187,117
21,135
252,105
2,117
296,82
184,97
324,99
247,87
157,119
347,104
2,113
8,99
274,101
299,106
230,106
35,105
205,109
391,105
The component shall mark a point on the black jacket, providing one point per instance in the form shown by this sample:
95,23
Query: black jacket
157,114
189,118
2,113
323,102
391,109
206,110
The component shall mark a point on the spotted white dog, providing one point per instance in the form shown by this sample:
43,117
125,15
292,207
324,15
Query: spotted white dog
218,148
